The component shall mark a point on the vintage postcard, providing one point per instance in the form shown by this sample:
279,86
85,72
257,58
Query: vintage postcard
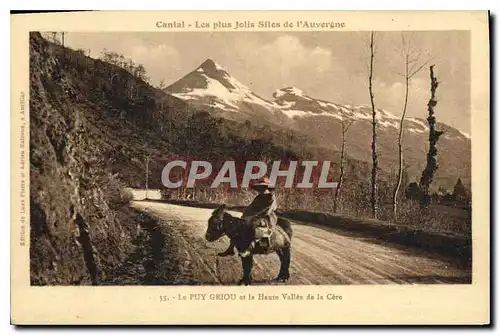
176,168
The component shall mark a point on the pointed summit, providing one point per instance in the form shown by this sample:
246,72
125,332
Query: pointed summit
210,66
208,62
212,85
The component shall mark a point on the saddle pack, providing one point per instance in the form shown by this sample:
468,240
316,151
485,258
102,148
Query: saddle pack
262,232
263,237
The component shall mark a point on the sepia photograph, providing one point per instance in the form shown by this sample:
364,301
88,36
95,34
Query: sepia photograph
307,165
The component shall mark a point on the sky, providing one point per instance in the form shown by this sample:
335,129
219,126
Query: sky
328,65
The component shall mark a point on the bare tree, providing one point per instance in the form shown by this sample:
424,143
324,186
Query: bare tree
431,167
412,65
62,38
373,199
162,85
345,127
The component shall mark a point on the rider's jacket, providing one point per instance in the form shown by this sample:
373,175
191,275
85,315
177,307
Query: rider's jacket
261,211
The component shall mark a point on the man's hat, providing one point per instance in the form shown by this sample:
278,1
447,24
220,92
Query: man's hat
264,181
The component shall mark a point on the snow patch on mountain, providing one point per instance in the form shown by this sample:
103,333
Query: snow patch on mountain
211,84
213,89
300,113
279,93
217,104
325,104
218,67
291,91
286,104
386,114
294,113
384,123
357,114
238,91
464,134
420,123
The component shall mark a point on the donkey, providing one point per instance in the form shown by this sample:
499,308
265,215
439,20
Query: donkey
240,234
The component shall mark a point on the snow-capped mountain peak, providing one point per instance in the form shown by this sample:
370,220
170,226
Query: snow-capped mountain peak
211,84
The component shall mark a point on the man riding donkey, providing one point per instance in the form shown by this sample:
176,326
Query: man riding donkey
261,215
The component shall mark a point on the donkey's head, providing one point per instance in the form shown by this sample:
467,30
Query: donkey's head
215,228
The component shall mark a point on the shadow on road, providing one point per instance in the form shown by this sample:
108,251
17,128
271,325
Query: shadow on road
147,264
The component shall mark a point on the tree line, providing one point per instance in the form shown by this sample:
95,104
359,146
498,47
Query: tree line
128,64
420,192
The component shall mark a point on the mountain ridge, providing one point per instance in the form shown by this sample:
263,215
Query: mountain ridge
210,84
212,67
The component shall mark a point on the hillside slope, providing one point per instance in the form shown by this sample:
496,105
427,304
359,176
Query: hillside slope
85,129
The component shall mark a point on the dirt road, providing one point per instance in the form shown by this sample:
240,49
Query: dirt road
320,255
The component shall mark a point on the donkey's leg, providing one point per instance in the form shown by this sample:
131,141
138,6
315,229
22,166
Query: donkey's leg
247,263
279,252
229,251
287,255
244,264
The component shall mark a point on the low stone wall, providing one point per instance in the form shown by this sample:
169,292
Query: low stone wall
142,194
